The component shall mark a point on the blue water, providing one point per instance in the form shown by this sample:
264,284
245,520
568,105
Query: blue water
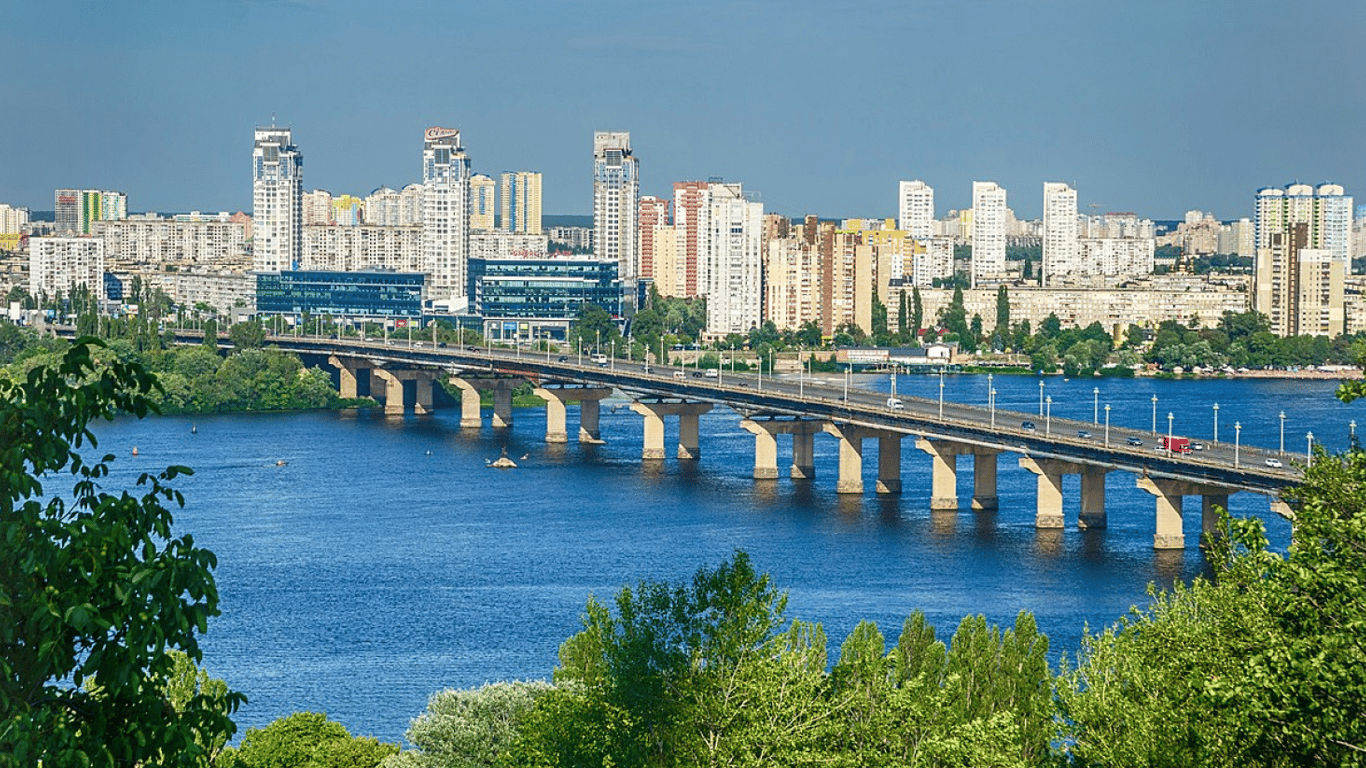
384,561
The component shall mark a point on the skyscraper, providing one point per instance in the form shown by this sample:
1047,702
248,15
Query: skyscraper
616,191
445,215
1060,247
522,202
277,199
733,264
988,231
484,192
690,228
1303,240
653,214
916,206
75,209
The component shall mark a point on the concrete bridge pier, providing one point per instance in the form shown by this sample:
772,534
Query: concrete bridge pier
502,402
1211,503
393,390
851,457
1048,504
556,429
1092,498
654,413
1169,533
765,447
346,380
889,462
944,473
804,449
470,415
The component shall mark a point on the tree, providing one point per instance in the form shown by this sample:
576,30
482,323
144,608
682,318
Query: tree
593,326
1002,310
93,588
308,740
902,319
247,335
879,319
471,728
917,312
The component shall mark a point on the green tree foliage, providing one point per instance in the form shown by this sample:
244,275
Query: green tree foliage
247,334
94,589
902,317
593,326
305,740
879,321
917,311
471,728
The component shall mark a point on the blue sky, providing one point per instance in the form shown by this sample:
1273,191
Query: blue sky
1152,106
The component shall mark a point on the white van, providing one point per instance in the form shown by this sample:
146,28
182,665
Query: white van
710,373
895,403
600,359
679,375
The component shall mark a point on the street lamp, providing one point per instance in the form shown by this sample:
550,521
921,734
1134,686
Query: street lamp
941,394
1352,437
1282,431
1216,423
1107,425
1154,414
1237,440
989,386
614,354
1048,416
1095,408
1169,431
1309,450
993,409
1040,397
801,375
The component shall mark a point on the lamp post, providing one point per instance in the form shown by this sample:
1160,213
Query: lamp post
993,409
1107,425
1352,425
1216,423
1095,407
848,373
1154,414
1309,450
1040,397
1169,431
1048,416
990,387
1282,431
941,394
1237,441
614,355
801,375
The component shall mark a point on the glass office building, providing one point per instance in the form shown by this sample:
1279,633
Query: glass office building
532,299
375,295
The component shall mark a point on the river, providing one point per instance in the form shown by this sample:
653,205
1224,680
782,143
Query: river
383,561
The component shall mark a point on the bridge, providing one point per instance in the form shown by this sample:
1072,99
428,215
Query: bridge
402,374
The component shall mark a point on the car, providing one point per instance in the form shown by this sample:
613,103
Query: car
1274,463
1083,434
441,345
1029,425
895,403
697,374
711,373
1134,441
564,359
1197,446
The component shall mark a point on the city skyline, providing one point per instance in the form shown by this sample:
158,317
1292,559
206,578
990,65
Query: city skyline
1155,108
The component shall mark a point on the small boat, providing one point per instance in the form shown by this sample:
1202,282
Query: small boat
135,450
281,463
526,456
193,429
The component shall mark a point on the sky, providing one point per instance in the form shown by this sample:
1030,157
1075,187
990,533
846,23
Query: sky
1150,106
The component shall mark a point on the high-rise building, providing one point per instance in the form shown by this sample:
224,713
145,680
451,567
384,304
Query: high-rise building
1303,239
522,202
12,220
988,231
733,265
654,213
318,208
445,214
75,209
391,208
56,265
690,229
484,193
916,205
277,199
348,211
1060,247
616,190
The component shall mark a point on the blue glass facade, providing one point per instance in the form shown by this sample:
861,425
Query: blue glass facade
538,298
347,294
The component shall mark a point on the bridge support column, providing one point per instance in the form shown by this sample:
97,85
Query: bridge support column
851,457
983,480
804,449
470,416
889,462
654,414
1092,498
1168,534
502,404
346,379
556,429
765,448
393,391
943,472
1211,503
1048,512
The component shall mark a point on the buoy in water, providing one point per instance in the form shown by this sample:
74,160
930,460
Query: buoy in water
135,450
281,463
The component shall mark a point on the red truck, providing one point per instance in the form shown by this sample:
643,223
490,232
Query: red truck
1175,444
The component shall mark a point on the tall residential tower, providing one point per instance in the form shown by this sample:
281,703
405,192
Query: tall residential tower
1061,251
277,201
916,207
1303,257
988,231
522,202
446,204
616,193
